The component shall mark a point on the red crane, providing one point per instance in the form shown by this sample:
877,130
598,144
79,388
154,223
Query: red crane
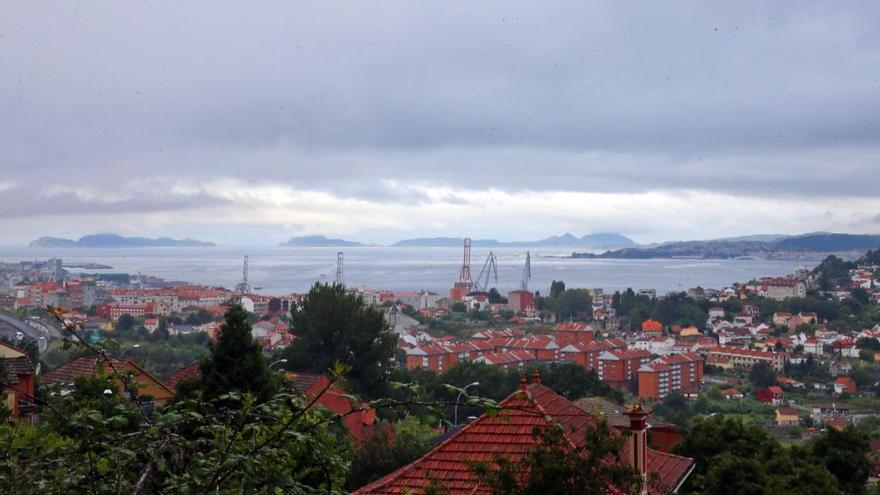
464,284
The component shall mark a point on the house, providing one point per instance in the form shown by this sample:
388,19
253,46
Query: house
151,324
732,394
772,395
358,418
18,384
716,313
188,372
840,368
689,332
787,416
663,435
147,385
846,347
652,326
844,385
510,434
661,345
780,318
789,382
813,346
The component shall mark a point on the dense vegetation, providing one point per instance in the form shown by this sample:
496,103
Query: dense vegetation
674,309
495,383
332,326
735,458
159,353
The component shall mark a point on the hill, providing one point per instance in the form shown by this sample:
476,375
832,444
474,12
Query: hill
595,241
318,241
802,246
115,241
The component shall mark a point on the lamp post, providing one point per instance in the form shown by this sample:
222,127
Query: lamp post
129,349
459,398
276,362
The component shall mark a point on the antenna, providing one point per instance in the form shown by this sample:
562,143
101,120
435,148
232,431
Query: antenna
339,261
527,272
243,286
489,271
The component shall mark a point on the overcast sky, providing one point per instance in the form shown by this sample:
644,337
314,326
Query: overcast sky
375,121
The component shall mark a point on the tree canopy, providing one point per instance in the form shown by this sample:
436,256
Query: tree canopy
333,325
235,362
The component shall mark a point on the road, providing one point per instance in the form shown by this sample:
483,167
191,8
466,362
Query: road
33,329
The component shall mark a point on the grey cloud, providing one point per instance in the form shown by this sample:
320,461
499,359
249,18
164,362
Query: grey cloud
762,98
34,201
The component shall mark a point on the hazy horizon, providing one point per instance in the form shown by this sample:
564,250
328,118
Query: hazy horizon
254,123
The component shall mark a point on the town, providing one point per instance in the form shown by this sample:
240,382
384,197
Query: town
794,356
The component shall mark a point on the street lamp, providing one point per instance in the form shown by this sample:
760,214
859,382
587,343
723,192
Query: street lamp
459,398
276,362
129,349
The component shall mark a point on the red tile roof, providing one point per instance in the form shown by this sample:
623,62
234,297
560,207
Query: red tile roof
188,372
69,371
509,434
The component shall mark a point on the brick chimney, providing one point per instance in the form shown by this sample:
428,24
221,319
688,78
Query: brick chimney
637,440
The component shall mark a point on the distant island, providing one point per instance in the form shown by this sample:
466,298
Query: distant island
319,241
594,241
806,246
115,241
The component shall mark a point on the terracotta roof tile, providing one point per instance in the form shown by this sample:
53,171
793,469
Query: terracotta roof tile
509,434
188,372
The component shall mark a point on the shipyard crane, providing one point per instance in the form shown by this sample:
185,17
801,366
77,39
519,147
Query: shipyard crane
464,284
489,271
339,263
527,272
243,287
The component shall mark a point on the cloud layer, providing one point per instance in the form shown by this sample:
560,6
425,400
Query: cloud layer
381,121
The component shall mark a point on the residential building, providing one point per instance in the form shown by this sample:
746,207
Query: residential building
782,288
746,358
19,382
619,366
587,355
844,385
652,326
787,416
772,394
677,373
510,434
520,301
573,333
147,384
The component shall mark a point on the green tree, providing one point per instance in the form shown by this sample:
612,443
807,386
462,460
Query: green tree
386,451
235,362
845,454
554,467
573,301
4,378
333,325
762,375
125,322
556,288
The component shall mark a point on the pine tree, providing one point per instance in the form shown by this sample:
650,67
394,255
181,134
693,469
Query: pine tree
235,361
332,325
